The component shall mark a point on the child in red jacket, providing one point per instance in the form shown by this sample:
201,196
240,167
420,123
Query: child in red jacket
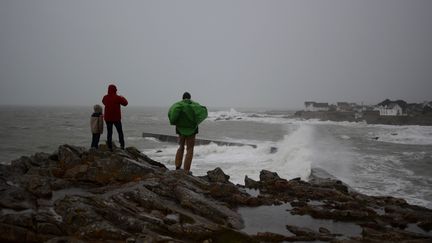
112,116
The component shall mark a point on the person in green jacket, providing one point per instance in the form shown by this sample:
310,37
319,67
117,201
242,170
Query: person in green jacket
186,115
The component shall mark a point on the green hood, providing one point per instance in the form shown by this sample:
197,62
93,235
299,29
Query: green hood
186,115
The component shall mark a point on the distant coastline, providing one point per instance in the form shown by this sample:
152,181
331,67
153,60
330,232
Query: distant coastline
387,112
368,117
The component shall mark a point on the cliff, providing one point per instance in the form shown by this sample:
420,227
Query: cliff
79,195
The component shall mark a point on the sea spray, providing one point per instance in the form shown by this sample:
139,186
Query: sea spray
333,153
294,157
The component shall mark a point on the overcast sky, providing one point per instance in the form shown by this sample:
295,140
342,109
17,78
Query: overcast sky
226,53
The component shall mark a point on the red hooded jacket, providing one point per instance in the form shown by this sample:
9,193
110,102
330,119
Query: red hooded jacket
112,103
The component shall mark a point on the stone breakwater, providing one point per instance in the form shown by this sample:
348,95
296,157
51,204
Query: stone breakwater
79,195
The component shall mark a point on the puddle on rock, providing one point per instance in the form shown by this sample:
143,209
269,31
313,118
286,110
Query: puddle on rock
252,192
379,211
415,229
5,211
69,192
275,218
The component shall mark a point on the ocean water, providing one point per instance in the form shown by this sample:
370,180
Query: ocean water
373,159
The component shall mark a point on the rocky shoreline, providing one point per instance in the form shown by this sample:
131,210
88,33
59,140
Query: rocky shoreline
80,195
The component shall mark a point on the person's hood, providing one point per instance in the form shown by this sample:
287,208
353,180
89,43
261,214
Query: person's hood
97,108
112,89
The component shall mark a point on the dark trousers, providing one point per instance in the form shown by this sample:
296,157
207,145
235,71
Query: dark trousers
119,129
95,140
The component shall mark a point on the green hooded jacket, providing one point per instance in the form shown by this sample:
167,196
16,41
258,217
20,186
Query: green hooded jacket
186,115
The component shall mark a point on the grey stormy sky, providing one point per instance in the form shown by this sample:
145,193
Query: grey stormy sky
230,53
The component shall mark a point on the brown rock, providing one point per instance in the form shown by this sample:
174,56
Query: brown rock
267,176
69,156
17,199
249,183
217,175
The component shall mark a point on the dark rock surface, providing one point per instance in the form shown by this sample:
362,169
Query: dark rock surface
79,195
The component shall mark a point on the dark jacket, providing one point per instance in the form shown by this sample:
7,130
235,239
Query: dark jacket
112,103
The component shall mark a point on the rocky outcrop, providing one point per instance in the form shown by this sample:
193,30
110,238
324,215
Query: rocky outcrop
380,218
79,195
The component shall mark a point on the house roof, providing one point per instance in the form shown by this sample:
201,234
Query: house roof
316,104
342,104
393,105
389,103
321,105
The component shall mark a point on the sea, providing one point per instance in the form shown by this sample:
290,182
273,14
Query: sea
377,160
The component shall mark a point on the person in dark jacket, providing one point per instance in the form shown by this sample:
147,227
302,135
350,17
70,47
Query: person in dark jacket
112,115
96,125
186,115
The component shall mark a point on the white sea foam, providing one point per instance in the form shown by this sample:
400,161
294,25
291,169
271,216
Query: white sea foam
234,115
293,158
134,138
386,175
337,147
415,135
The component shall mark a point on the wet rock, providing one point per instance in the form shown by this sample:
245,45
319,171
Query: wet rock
24,220
103,231
229,235
70,156
38,186
21,165
137,155
208,208
217,175
267,176
426,225
270,237
391,235
151,237
40,159
323,230
64,240
301,231
249,183
307,234
113,169
49,229
12,233
299,203
16,198
75,195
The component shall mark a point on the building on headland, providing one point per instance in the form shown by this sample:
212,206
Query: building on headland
427,108
388,112
344,106
392,108
314,106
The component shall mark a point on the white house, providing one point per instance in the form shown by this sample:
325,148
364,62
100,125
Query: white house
392,109
314,106
343,106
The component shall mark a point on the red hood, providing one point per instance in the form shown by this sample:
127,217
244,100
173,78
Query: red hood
112,89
